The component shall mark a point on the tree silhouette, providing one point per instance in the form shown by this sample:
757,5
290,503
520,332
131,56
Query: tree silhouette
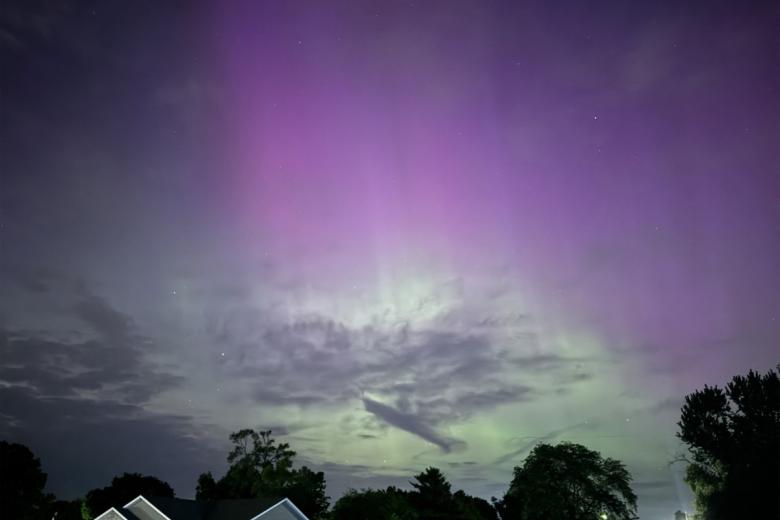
568,482
122,490
733,438
370,504
473,508
207,488
260,451
306,489
259,467
433,499
21,482
432,496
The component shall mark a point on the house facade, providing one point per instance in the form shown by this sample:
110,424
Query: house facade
157,508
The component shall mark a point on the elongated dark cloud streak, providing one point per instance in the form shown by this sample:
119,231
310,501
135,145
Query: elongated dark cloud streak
410,423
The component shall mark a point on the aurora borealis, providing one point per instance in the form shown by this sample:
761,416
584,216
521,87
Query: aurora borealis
399,234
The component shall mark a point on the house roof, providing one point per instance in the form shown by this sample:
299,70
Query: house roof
183,509
129,515
231,509
177,508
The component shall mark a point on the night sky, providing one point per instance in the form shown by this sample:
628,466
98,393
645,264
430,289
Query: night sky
399,234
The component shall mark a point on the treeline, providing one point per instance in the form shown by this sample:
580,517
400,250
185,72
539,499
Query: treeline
733,468
259,467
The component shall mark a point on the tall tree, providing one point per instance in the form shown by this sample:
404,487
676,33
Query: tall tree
733,437
122,490
433,499
306,488
259,451
259,467
432,495
21,482
568,482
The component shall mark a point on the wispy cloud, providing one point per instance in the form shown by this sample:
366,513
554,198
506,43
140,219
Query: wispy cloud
529,442
111,359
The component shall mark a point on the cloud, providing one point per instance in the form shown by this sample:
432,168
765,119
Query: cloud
530,442
344,476
77,397
313,359
266,395
110,360
491,398
411,424
422,375
111,324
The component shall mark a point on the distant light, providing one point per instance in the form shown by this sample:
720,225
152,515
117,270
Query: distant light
603,516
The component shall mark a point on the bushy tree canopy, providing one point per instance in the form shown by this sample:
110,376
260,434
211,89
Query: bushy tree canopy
432,498
473,508
259,467
568,482
733,436
21,482
374,504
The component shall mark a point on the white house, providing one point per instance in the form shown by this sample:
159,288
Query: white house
157,508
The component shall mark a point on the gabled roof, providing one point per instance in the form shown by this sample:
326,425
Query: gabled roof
120,511
236,509
285,504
